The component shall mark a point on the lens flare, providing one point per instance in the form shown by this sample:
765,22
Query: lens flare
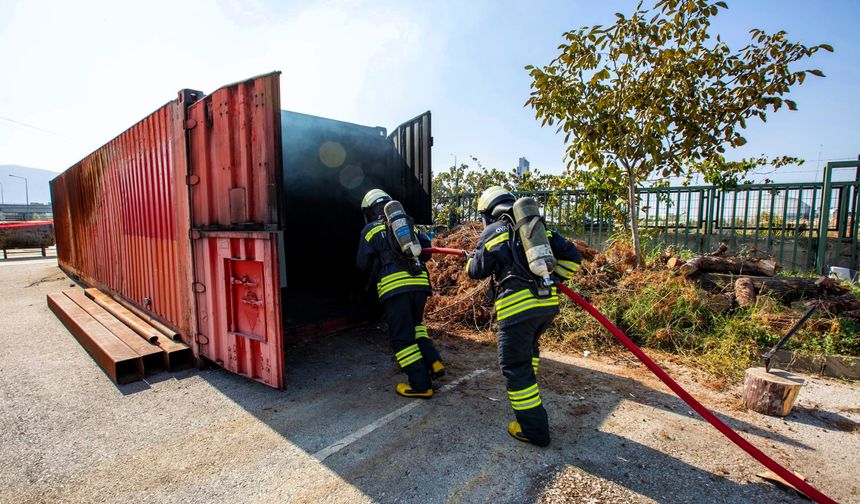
332,154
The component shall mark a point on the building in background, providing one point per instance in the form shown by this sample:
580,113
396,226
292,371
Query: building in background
522,167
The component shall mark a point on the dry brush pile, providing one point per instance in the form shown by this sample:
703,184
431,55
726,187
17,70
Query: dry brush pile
701,316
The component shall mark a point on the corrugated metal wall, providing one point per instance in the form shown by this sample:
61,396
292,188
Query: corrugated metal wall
235,168
180,215
121,217
413,141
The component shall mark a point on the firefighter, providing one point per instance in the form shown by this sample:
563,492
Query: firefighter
402,286
525,308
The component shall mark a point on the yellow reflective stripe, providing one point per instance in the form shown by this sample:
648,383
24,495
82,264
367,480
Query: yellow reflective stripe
535,363
534,403
370,234
395,280
526,305
568,265
468,264
548,233
400,274
513,298
497,240
421,332
406,351
411,359
566,269
520,394
526,398
420,282
519,296
563,273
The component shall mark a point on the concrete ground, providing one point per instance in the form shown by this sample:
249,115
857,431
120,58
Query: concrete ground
338,433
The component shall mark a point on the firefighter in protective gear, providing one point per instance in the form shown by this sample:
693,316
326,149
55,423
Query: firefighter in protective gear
524,309
403,288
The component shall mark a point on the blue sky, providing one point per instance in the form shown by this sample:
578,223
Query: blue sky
78,73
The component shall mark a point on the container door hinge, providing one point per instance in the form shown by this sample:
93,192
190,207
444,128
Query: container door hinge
192,180
199,287
195,234
190,124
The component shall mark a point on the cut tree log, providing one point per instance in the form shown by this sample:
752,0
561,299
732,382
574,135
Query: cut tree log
733,265
846,305
787,289
674,263
771,393
745,292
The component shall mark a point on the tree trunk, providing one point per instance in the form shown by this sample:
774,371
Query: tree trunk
846,305
745,292
771,393
735,265
634,216
787,289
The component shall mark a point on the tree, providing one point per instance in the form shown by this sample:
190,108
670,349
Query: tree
653,95
460,186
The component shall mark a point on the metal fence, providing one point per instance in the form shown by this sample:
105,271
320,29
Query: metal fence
806,226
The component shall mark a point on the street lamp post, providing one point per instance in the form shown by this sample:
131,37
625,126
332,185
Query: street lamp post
26,188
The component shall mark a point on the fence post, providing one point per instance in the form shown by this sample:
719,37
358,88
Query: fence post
824,218
709,224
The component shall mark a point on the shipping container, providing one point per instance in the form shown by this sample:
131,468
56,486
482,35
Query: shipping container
236,223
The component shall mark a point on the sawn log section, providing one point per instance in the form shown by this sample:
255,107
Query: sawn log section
733,265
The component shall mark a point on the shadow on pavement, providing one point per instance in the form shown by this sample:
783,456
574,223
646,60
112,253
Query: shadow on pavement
827,420
454,447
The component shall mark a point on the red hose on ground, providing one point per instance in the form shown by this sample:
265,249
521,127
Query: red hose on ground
727,431
438,250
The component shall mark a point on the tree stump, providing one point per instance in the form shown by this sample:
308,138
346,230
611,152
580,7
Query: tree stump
771,393
674,263
745,292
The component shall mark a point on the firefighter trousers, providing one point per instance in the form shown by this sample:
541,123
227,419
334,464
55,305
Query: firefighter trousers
519,358
409,338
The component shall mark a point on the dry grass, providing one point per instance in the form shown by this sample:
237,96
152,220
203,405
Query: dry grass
656,307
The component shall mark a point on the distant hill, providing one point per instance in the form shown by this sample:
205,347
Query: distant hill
37,182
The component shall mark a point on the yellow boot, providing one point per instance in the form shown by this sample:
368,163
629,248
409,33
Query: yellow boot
516,431
406,391
437,370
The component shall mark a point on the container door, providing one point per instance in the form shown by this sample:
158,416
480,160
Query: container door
238,303
234,150
412,141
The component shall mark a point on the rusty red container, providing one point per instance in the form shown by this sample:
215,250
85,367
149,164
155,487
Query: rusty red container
234,222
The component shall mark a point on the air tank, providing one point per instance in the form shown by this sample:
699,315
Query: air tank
532,232
401,228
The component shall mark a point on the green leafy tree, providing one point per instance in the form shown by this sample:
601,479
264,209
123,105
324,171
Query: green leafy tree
654,95
457,188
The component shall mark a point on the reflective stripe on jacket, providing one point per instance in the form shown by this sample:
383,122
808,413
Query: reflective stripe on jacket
391,270
516,299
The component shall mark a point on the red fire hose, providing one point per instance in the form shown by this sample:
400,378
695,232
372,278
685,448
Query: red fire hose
439,250
727,431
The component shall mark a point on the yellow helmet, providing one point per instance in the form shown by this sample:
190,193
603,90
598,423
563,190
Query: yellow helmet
493,197
373,197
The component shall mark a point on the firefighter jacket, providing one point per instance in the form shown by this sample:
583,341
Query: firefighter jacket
394,274
515,291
